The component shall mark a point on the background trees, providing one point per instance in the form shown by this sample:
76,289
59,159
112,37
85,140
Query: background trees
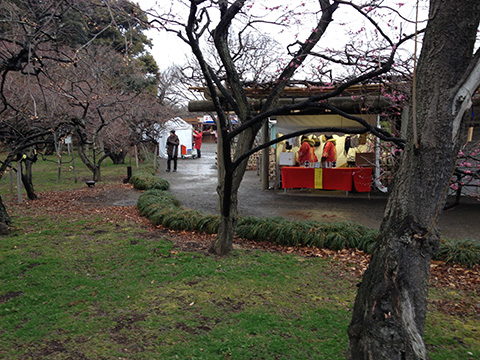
74,68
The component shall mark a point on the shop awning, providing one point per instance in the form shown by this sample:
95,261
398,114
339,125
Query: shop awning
290,123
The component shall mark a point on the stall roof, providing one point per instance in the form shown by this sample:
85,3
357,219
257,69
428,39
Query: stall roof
290,123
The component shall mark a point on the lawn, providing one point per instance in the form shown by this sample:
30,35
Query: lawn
96,282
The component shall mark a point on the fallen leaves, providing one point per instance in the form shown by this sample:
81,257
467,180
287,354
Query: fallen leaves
101,200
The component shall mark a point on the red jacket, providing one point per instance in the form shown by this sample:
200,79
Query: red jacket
198,139
306,153
329,151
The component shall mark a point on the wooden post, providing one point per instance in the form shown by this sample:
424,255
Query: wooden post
73,165
470,134
59,157
155,153
11,178
265,168
58,150
136,155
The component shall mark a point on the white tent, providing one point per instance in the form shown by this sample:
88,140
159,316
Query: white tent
183,130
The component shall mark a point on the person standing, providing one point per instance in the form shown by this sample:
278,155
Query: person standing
172,150
198,135
306,153
329,155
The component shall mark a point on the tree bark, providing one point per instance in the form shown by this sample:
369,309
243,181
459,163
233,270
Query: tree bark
229,180
27,179
117,158
4,219
95,165
391,305
223,243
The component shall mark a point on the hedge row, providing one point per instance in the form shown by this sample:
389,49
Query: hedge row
162,208
145,179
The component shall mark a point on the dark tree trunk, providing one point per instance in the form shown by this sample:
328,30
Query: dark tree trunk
223,243
118,158
96,173
390,308
227,197
95,165
4,219
49,148
229,183
27,179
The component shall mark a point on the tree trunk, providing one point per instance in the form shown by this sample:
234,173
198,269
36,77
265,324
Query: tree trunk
97,173
223,243
93,166
390,308
117,158
229,181
4,219
27,179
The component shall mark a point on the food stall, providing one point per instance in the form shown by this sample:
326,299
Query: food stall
348,174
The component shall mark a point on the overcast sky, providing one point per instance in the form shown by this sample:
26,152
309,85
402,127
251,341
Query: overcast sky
169,49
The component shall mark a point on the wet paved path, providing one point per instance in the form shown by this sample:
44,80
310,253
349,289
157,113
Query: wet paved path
195,182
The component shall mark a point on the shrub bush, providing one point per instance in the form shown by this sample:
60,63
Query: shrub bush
333,236
463,252
162,208
145,179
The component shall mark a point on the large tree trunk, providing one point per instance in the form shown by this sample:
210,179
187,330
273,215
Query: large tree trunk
390,309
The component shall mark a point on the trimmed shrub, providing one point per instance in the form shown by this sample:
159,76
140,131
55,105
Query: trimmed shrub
208,224
182,219
145,179
162,208
463,252
333,236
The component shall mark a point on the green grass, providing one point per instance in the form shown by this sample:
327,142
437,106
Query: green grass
45,173
70,290
104,293
73,290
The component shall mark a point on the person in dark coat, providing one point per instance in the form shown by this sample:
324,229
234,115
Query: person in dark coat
172,150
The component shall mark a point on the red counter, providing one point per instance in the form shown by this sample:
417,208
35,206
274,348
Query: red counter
328,179
298,177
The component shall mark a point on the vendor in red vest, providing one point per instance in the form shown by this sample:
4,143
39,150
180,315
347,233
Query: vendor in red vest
198,135
306,152
329,154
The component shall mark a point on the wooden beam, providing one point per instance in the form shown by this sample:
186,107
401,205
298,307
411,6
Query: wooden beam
355,105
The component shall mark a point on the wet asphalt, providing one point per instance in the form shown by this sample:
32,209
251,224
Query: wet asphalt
195,182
